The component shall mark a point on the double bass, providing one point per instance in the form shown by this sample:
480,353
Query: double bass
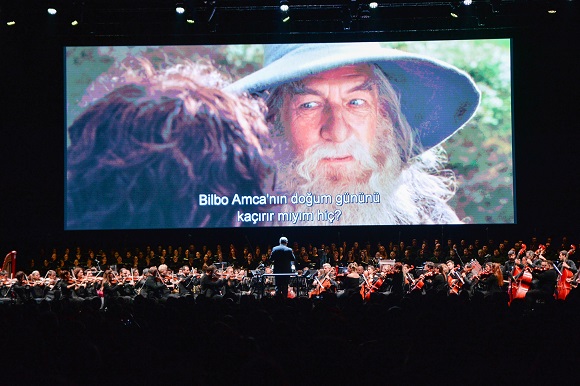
565,277
520,283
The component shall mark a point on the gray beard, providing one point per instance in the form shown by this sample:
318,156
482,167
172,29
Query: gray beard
409,194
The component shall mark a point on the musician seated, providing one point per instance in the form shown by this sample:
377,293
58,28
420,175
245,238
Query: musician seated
323,281
187,281
394,281
154,286
66,285
232,288
38,289
491,279
4,287
211,285
20,290
330,275
53,291
351,280
79,291
547,278
438,281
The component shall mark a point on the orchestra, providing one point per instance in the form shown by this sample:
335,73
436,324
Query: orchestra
524,273
379,306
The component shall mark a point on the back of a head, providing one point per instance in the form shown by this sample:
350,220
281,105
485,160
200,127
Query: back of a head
165,130
283,240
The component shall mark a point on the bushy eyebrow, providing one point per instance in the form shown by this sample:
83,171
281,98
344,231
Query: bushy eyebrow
299,88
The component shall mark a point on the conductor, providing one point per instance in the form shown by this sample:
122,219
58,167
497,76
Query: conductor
283,258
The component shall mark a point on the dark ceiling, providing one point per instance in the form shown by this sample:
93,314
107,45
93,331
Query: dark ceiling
158,17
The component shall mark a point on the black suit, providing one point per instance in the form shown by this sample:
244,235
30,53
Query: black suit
282,257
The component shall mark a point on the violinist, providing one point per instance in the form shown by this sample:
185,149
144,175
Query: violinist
38,288
20,290
232,288
491,279
211,285
66,285
154,287
126,285
5,287
109,285
439,282
467,275
53,291
547,278
79,291
187,281
393,279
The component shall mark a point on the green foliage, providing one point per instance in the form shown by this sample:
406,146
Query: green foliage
480,154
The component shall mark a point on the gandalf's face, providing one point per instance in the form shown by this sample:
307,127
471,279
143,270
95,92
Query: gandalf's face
331,119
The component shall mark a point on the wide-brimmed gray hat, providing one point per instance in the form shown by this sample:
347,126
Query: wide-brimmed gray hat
436,97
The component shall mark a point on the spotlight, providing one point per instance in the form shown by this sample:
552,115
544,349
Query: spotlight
284,7
190,21
11,23
179,8
51,11
551,11
373,5
467,2
286,19
454,10
76,15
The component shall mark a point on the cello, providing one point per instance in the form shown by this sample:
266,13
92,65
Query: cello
321,286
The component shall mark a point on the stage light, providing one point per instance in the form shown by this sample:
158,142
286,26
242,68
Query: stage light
179,8
74,23
454,10
284,7
11,23
286,19
190,21
51,11
467,2
373,5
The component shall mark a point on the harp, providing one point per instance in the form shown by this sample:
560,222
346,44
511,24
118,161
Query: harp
9,264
